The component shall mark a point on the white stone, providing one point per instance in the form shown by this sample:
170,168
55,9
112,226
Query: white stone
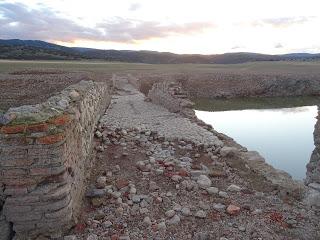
234,188
212,190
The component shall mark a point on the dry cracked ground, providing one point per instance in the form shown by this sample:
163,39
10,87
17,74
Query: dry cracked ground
159,175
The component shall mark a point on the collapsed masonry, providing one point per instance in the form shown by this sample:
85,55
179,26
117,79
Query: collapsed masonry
171,96
45,151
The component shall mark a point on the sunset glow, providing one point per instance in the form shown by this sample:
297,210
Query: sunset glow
203,26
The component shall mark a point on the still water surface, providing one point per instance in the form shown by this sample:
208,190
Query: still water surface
283,136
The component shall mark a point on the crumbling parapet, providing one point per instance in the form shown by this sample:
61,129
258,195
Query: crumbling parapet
44,159
171,96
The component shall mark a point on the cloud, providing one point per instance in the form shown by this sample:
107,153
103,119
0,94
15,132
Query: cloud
278,45
129,30
282,22
134,6
17,21
237,47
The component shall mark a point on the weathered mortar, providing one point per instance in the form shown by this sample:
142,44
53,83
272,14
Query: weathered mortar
44,156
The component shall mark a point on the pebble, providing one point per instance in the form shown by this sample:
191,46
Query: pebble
70,237
161,226
153,186
106,224
98,134
242,228
219,206
176,178
92,237
136,199
147,221
200,214
174,220
223,194
185,211
144,210
169,194
233,209
170,213
204,182
177,207
234,188
201,236
212,190
101,182
204,206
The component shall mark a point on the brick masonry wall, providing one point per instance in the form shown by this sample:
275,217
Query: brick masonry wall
171,96
44,159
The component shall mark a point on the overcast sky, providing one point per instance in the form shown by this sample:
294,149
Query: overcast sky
180,26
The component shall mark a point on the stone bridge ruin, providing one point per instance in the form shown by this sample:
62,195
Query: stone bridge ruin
46,150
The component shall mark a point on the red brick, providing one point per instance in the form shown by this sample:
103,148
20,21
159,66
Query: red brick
40,127
60,120
13,129
51,139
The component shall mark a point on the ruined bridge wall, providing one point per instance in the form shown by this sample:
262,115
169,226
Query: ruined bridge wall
313,167
45,151
171,96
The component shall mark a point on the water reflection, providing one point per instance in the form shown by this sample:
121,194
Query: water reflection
283,136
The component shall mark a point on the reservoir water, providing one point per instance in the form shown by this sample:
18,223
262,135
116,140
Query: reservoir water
282,133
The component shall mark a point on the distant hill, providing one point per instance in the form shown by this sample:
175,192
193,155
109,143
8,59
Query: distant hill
40,50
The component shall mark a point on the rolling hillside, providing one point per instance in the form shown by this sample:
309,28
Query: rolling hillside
40,50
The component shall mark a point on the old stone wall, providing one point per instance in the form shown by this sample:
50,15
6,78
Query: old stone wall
312,197
171,96
45,154
238,84
313,167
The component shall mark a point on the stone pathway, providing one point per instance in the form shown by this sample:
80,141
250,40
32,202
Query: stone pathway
129,109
